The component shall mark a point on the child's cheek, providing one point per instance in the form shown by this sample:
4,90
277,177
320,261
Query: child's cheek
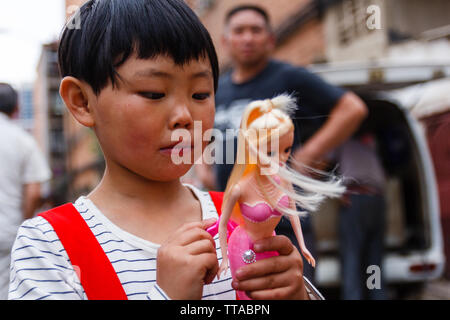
139,143
138,138
139,128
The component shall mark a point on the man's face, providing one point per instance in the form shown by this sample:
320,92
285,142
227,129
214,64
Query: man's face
247,38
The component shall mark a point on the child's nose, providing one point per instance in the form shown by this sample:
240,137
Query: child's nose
181,118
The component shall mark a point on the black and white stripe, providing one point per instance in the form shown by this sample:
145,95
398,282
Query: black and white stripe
41,268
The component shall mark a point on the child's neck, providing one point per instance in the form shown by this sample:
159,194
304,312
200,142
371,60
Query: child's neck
134,188
138,205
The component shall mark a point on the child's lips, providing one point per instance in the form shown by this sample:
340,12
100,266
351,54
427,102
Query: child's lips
176,150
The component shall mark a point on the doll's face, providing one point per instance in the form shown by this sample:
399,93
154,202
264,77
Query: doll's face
280,152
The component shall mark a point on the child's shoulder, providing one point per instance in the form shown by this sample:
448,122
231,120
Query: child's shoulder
36,227
39,226
39,263
39,233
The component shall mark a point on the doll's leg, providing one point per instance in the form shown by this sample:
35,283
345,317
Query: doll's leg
240,253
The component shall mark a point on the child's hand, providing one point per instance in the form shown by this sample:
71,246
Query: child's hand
279,277
187,261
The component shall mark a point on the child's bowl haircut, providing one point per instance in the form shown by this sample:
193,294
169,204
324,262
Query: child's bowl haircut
113,30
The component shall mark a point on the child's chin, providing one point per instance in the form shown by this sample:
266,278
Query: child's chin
172,173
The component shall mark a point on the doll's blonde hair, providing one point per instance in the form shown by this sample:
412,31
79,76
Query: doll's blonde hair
271,120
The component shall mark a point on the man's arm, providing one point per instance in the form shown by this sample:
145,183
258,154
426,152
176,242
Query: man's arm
31,199
345,118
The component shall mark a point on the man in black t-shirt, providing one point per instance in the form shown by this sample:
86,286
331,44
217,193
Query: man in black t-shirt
326,117
316,99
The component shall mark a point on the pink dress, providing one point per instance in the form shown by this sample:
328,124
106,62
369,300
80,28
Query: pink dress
240,246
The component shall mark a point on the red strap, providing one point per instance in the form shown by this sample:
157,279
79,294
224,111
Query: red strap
96,273
217,198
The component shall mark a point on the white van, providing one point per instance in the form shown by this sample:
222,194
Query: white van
413,243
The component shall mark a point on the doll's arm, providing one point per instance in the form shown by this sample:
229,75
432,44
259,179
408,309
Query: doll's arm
295,222
224,218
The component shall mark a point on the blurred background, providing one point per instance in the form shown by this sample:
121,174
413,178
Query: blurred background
397,59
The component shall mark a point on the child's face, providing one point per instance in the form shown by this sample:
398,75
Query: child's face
134,122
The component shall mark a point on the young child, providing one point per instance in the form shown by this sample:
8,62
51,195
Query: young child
136,71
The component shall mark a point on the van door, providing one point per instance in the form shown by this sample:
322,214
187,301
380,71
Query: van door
413,239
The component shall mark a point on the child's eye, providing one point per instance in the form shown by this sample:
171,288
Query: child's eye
287,150
201,96
152,95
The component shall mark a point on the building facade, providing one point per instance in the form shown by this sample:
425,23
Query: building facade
71,149
307,31
315,31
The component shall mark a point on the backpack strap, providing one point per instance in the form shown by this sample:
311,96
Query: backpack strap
95,271
217,198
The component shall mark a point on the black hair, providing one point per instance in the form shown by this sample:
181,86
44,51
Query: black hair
8,99
245,7
110,31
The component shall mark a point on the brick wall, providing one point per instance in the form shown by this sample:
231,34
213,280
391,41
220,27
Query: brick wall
305,46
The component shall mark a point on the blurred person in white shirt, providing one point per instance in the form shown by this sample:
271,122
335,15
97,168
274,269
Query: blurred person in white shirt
22,170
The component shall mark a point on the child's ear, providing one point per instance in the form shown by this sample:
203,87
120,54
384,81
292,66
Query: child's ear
75,96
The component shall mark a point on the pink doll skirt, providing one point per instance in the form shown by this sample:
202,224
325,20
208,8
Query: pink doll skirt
240,253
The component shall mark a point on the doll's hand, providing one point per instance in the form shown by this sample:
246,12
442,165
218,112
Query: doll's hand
279,277
223,267
308,256
187,261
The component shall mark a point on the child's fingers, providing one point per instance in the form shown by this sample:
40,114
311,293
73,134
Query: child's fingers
271,294
201,224
208,223
194,236
176,236
190,233
264,267
211,274
201,246
282,244
271,281
207,264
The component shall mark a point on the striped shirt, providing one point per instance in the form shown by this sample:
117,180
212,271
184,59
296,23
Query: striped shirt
41,268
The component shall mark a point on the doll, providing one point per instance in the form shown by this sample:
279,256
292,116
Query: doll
262,187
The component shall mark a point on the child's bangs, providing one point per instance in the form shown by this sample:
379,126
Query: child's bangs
160,28
112,30
176,33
